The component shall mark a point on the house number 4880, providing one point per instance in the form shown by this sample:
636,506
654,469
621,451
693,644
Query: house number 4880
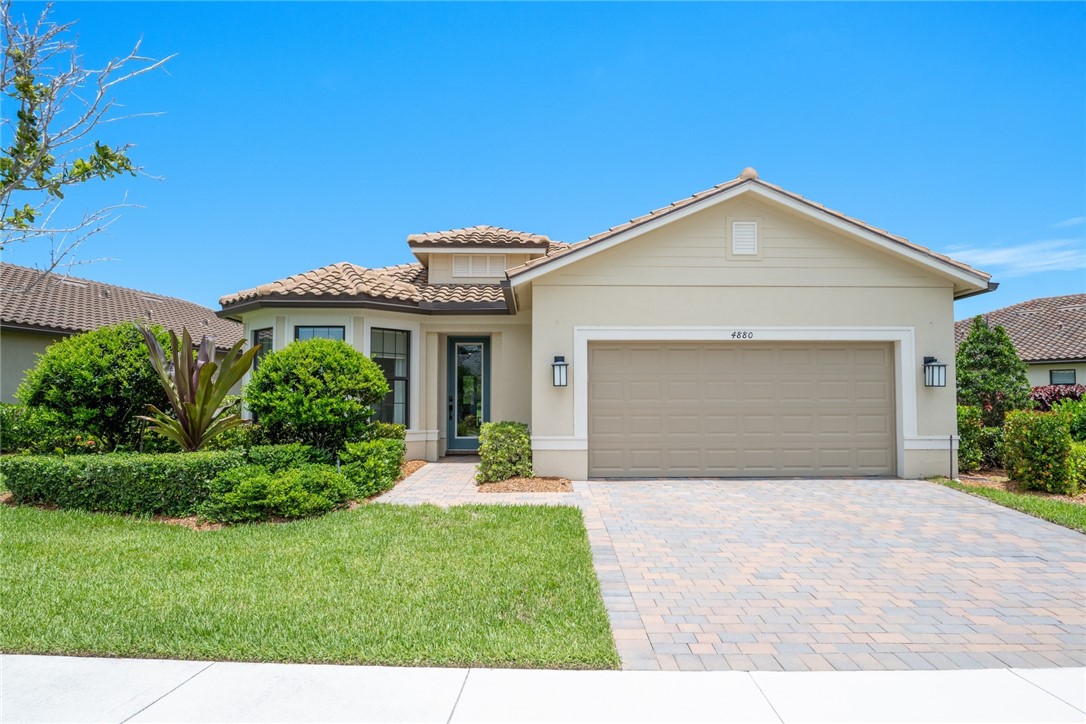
742,335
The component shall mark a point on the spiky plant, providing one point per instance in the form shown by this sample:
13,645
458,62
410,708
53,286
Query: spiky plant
197,387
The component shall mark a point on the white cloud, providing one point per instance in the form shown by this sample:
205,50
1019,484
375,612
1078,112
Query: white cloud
1067,223
1033,257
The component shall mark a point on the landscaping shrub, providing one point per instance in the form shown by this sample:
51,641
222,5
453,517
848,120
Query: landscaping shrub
1075,410
96,383
970,454
253,493
505,449
1076,465
244,436
284,457
1046,396
990,374
320,392
991,447
373,466
1037,447
38,431
166,484
387,431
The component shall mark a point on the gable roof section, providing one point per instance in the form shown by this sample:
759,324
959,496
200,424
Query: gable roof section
485,236
405,287
973,280
1050,329
68,305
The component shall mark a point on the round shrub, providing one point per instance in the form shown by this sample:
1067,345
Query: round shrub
505,451
319,392
96,383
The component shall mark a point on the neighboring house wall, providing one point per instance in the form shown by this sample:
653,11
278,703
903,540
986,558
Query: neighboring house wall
426,436
19,350
1037,373
808,283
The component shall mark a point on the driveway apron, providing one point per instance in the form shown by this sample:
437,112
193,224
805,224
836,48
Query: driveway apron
799,575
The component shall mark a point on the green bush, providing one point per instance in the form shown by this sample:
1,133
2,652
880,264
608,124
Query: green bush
1075,410
1037,446
252,493
151,484
991,447
970,454
320,392
96,383
1076,465
373,466
244,436
505,451
40,431
387,431
284,457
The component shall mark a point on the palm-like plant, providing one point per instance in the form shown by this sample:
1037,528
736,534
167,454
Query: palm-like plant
196,386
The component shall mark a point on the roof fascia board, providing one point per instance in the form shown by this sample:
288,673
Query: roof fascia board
972,280
232,311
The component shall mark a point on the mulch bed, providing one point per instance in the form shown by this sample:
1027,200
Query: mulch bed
998,480
410,468
528,485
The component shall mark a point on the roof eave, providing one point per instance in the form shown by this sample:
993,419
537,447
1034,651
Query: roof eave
235,310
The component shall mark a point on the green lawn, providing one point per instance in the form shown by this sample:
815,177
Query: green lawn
508,586
1069,515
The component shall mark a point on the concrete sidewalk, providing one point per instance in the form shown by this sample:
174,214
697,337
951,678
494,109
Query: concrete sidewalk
58,688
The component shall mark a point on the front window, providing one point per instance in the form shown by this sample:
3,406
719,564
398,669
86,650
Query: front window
318,332
1061,377
390,349
263,337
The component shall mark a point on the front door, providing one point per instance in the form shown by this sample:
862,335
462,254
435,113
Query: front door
469,390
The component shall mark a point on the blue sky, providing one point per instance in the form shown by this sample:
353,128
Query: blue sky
296,135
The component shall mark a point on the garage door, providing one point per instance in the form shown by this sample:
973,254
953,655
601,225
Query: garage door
740,409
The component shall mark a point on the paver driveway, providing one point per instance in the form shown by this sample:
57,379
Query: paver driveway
798,575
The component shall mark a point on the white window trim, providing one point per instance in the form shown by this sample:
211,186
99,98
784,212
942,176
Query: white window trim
495,266
414,410
905,370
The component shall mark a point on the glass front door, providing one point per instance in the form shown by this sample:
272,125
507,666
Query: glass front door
469,390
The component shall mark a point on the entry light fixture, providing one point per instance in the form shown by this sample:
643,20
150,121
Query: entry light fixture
559,369
934,373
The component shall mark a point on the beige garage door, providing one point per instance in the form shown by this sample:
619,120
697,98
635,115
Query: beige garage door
740,409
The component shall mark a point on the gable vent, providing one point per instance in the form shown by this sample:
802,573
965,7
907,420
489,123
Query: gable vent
744,237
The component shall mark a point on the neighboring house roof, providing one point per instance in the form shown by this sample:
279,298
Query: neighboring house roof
1043,330
480,236
68,305
405,286
748,178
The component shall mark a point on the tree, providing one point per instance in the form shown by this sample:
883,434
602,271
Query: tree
197,387
320,392
97,382
991,376
59,105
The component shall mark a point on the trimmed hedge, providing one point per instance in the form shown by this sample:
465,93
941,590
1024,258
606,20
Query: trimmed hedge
373,466
505,450
1075,410
1076,464
140,483
970,454
1037,447
991,447
172,484
252,493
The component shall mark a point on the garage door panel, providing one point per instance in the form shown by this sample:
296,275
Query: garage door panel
720,409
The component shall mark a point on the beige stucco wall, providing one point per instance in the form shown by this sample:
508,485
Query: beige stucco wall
1037,374
19,352
510,360
807,278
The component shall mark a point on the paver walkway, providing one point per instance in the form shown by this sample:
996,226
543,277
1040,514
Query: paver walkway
816,575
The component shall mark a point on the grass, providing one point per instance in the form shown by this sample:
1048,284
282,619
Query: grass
1069,515
509,586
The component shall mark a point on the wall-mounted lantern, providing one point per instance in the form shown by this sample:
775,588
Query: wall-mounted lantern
559,369
934,373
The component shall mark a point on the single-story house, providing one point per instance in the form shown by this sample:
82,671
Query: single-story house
742,331
1049,335
36,311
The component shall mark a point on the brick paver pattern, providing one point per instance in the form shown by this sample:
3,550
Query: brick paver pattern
801,575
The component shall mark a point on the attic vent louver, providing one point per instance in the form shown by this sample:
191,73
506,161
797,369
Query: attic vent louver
744,237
